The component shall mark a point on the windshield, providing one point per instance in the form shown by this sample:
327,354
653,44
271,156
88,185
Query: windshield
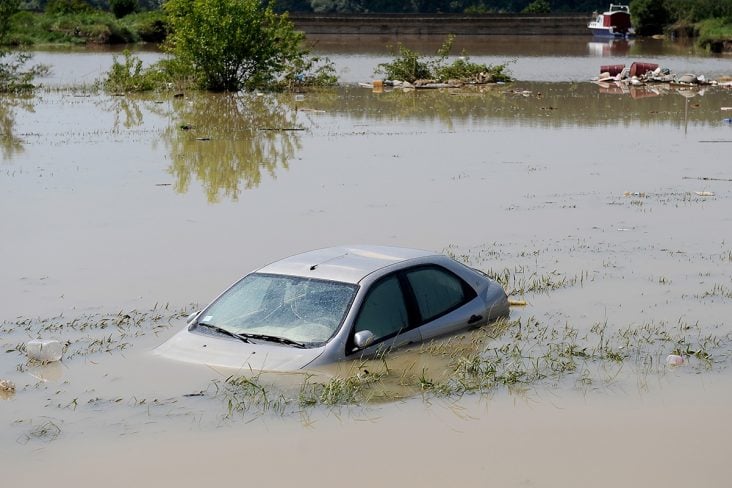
299,309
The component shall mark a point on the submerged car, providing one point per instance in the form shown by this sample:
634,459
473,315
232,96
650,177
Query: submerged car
336,304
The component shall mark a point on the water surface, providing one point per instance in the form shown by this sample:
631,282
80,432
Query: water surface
144,206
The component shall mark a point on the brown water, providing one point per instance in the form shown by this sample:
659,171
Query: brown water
530,58
122,203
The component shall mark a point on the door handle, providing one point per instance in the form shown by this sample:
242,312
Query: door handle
475,318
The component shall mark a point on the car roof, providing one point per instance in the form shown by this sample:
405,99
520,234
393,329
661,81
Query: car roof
349,264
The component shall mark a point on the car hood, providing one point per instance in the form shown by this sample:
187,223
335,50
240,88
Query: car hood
225,352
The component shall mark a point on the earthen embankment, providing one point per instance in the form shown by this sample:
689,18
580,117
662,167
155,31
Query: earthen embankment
442,24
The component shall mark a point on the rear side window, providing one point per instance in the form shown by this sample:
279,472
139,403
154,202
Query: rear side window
437,291
384,312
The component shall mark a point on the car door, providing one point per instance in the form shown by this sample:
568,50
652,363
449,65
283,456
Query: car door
386,313
445,302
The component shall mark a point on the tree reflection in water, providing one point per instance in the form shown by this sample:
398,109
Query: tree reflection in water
227,141
10,144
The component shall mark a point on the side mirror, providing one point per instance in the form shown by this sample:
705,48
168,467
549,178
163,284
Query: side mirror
192,316
363,338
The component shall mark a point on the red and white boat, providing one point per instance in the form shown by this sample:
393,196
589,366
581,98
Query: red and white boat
615,23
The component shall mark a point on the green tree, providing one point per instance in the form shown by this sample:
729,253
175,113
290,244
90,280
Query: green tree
650,16
538,7
7,10
64,7
13,74
232,44
122,8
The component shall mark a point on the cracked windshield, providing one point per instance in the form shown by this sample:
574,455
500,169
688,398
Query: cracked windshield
489,238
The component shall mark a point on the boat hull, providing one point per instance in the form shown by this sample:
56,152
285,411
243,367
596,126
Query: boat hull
609,33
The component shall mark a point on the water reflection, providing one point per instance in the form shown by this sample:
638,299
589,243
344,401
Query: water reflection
611,47
10,143
521,104
127,112
229,141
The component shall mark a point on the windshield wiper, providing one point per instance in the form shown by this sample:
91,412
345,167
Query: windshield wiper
224,331
265,337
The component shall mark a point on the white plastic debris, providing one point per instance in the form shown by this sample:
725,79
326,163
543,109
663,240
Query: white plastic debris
47,350
674,360
704,193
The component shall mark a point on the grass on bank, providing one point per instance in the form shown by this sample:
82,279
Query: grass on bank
97,27
712,33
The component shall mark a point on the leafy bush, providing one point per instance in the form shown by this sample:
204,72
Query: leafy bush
411,66
129,75
408,66
308,72
463,69
538,7
14,75
233,44
63,7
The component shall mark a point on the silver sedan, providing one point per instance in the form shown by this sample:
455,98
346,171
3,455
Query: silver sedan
336,304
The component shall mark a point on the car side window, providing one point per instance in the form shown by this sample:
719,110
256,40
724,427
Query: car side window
437,291
383,312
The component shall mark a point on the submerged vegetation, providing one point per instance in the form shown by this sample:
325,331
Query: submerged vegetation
410,66
510,354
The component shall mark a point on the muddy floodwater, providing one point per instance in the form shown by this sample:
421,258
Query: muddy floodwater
605,211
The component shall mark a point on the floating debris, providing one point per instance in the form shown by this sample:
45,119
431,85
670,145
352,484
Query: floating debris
378,86
674,360
619,78
7,386
704,193
45,350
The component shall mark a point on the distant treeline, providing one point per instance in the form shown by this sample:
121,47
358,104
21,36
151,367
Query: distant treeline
373,6
708,20
692,10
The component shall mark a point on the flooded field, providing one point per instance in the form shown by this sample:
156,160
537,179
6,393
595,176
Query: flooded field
606,212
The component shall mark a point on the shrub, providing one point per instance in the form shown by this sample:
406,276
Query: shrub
233,44
538,7
410,66
65,7
14,75
129,75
